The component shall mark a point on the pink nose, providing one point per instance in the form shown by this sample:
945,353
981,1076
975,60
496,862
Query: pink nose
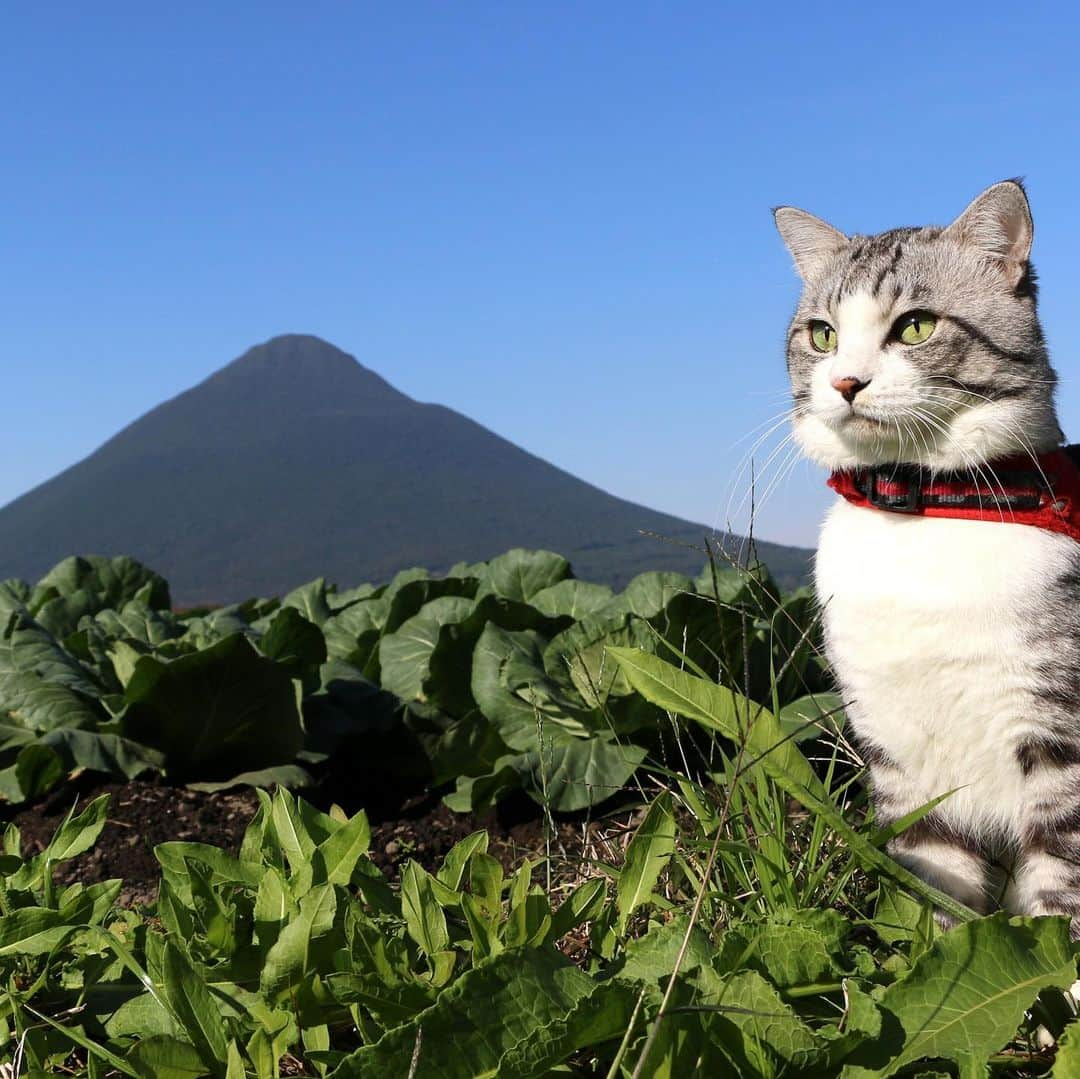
848,387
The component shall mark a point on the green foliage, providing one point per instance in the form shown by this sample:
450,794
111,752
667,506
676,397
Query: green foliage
765,746
86,585
297,956
712,948
646,857
750,922
519,1014
497,676
297,946
215,712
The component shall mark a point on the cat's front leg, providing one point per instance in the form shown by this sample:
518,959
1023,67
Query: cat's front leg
1046,878
951,859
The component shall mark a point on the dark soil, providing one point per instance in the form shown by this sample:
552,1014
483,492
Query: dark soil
141,815
145,813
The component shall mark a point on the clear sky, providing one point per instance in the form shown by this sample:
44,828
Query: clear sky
552,217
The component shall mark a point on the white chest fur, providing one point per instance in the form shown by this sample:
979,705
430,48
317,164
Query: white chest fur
925,625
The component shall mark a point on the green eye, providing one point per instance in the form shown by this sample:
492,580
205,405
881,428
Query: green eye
914,327
822,336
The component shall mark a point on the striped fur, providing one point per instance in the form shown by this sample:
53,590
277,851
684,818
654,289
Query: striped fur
956,643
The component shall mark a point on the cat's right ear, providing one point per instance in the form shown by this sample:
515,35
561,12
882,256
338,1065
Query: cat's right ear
810,240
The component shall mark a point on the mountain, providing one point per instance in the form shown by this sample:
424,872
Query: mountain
295,461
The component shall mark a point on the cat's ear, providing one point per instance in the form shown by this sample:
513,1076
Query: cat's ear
809,239
998,223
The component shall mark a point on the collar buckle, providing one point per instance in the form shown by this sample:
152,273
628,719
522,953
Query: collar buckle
907,501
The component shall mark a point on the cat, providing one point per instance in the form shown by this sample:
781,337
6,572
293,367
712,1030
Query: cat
918,353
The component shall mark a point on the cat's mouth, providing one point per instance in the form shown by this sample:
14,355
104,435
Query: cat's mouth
863,417
856,420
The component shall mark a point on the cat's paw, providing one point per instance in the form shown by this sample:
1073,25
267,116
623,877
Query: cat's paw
1043,1038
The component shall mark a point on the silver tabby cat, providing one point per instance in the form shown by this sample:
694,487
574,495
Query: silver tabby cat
956,642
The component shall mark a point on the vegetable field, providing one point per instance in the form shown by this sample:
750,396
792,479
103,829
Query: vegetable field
738,914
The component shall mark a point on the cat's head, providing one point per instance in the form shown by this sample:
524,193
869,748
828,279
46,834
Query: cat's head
920,344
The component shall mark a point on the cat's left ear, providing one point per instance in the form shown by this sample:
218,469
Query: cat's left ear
999,223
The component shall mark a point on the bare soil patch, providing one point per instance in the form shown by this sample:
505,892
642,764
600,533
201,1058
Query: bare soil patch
143,814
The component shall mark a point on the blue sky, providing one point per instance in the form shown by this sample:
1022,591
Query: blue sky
551,217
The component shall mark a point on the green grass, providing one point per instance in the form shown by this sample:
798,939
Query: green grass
752,925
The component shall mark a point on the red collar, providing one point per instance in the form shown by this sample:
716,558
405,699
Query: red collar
1013,490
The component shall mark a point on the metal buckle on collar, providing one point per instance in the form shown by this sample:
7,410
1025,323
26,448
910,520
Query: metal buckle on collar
908,502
